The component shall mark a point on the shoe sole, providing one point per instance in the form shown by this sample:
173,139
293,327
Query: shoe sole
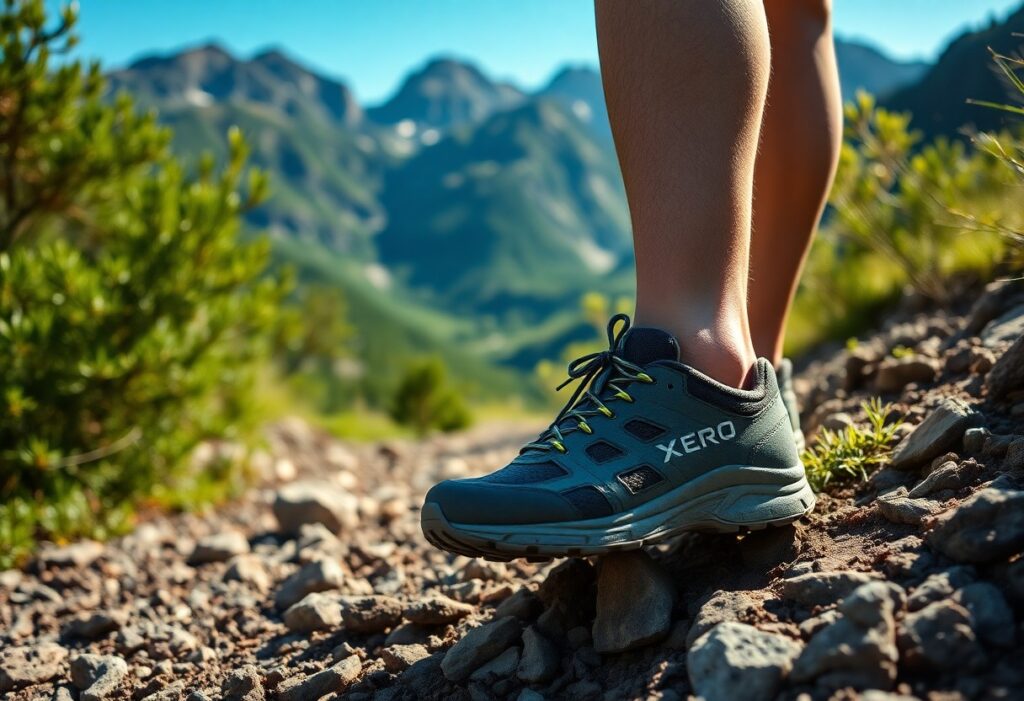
729,499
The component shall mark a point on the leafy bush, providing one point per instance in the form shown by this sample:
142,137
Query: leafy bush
424,400
130,311
900,214
839,457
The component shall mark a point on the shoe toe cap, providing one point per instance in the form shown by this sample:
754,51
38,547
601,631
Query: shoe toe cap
473,501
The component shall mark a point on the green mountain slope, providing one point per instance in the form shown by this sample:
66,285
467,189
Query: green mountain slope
517,214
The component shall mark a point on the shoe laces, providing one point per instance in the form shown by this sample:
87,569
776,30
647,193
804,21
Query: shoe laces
615,373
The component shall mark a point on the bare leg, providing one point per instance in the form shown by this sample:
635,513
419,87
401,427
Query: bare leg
685,82
800,140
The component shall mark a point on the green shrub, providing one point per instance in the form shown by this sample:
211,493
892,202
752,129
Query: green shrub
841,457
901,214
423,399
130,311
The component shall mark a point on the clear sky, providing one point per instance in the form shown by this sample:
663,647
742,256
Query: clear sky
371,44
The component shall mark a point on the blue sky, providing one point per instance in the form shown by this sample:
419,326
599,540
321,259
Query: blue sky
371,44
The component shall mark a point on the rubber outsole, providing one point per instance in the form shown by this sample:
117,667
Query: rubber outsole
734,509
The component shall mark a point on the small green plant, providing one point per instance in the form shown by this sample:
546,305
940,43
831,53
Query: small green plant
424,400
852,453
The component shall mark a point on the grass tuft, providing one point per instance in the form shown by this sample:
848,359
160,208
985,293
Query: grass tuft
852,454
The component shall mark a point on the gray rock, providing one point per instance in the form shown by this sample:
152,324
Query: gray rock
314,612
859,648
409,634
991,614
540,660
248,569
502,666
80,554
720,606
398,658
305,502
530,695
822,588
317,576
335,678
897,507
940,636
436,610
95,625
939,586
1008,372
948,475
523,604
974,439
893,374
737,661
941,431
635,596
219,548
478,646
98,676
1005,328
243,684
987,526
26,665
370,614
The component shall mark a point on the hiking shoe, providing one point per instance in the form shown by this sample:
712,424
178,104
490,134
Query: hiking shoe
645,448
784,377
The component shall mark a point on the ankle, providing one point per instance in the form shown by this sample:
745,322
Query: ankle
720,350
722,357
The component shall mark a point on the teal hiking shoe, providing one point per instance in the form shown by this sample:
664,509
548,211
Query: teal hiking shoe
784,376
645,448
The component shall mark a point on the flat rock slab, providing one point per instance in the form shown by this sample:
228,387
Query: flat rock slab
25,665
737,661
634,602
941,431
479,646
822,588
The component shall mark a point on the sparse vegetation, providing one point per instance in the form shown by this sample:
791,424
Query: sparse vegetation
853,453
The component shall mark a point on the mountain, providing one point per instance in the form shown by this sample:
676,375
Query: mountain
579,89
517,213
864,67
445,94
326,160
965,71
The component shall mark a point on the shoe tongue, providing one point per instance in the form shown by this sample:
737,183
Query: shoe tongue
645,344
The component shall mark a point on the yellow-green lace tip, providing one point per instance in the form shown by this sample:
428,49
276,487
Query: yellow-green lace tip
622,395
606,411
585,427
644,377
559,446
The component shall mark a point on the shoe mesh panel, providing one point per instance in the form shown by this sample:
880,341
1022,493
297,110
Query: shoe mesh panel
639,478
589,501
525,473
602,451
644,430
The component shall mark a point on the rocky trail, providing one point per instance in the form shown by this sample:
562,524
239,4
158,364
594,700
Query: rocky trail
319,584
